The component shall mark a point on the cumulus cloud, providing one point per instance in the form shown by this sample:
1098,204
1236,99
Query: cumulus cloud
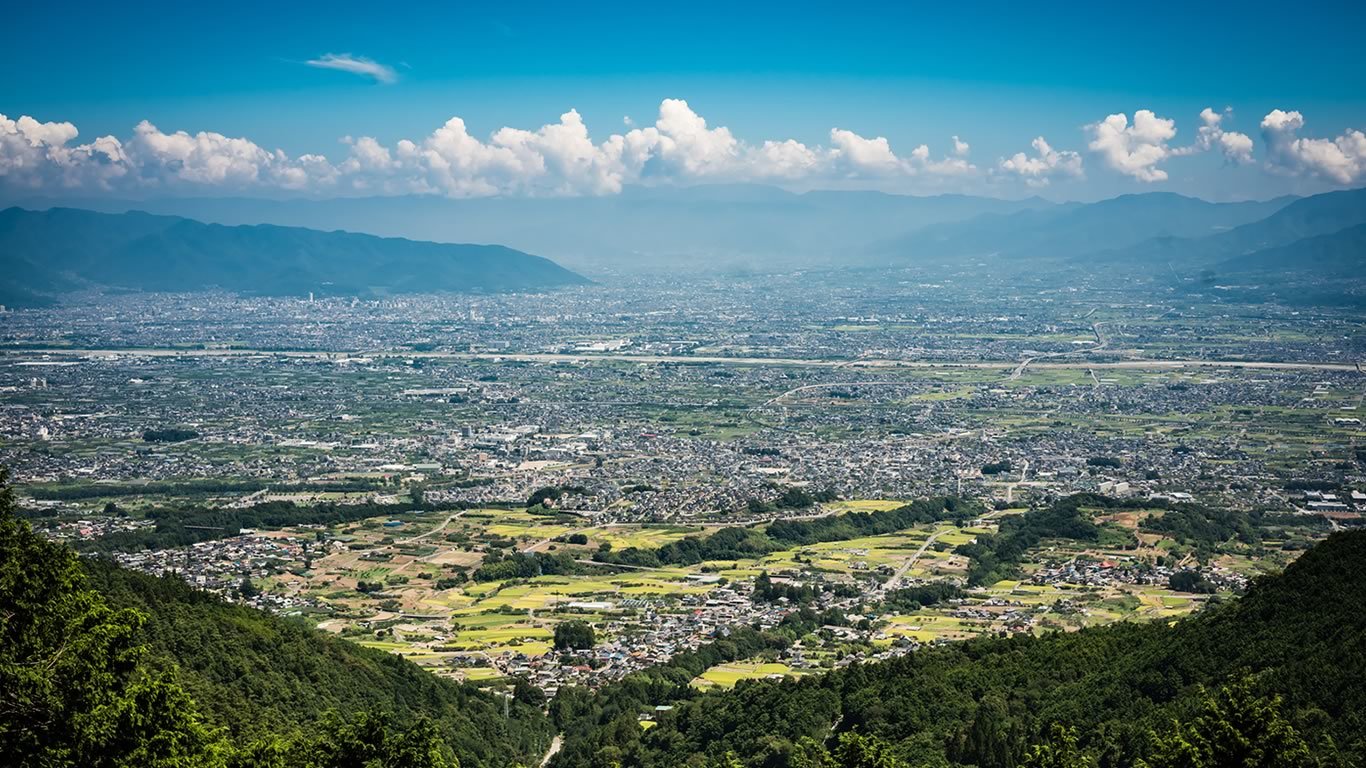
36,156
957,165
1134,150
1211,136
563,158
860,156
356,65
560,158
1045,165
1341,160
853,155
1236,147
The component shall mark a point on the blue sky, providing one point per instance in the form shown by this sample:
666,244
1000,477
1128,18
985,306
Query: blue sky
997,75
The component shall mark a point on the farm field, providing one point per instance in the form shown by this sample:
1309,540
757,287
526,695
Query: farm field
727,675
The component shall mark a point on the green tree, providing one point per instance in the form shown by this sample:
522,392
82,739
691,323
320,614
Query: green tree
371,741
989,743
809,753
71,693
1235,727
728,760
1060,750
525,692
859,751
577,635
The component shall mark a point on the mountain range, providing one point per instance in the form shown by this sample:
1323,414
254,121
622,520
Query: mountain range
642,230
257,246
62,249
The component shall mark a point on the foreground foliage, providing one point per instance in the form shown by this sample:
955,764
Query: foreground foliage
113,668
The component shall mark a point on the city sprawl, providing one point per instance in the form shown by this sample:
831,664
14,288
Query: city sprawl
457,479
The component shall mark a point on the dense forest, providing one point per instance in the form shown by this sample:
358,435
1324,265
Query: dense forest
100,666
181,526
1276,678
217,486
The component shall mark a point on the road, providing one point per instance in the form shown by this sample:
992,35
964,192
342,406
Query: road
895,581
833,384
1010,489
1101,343
555,745
807,362
435,530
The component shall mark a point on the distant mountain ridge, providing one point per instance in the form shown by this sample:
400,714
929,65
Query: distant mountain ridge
1073,230
643,229
1337,254
1303,218
748,229
63,249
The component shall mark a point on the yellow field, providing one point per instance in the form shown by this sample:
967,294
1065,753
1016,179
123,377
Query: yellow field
864,505
727,675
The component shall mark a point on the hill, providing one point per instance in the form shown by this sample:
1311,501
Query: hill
1074,229
1271,679
674,229
257,675
62,249
104,667
1338,254
1308,217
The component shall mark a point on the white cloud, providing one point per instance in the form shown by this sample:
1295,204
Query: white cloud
787,160
1134,150
957,165
556,159
562,158
1342,160
859,156
1235,147
1044,166
356,65
35,156
854,155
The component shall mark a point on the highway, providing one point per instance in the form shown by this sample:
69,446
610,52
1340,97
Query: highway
547,357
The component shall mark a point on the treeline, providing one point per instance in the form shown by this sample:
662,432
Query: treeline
1205,526
741,543
792,497
554,493
179,527
192,488
169,435
105,668
1270,679
924,596
499,566
768,591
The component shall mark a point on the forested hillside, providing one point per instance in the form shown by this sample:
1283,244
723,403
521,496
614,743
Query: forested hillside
63,249
1277,678
100,666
